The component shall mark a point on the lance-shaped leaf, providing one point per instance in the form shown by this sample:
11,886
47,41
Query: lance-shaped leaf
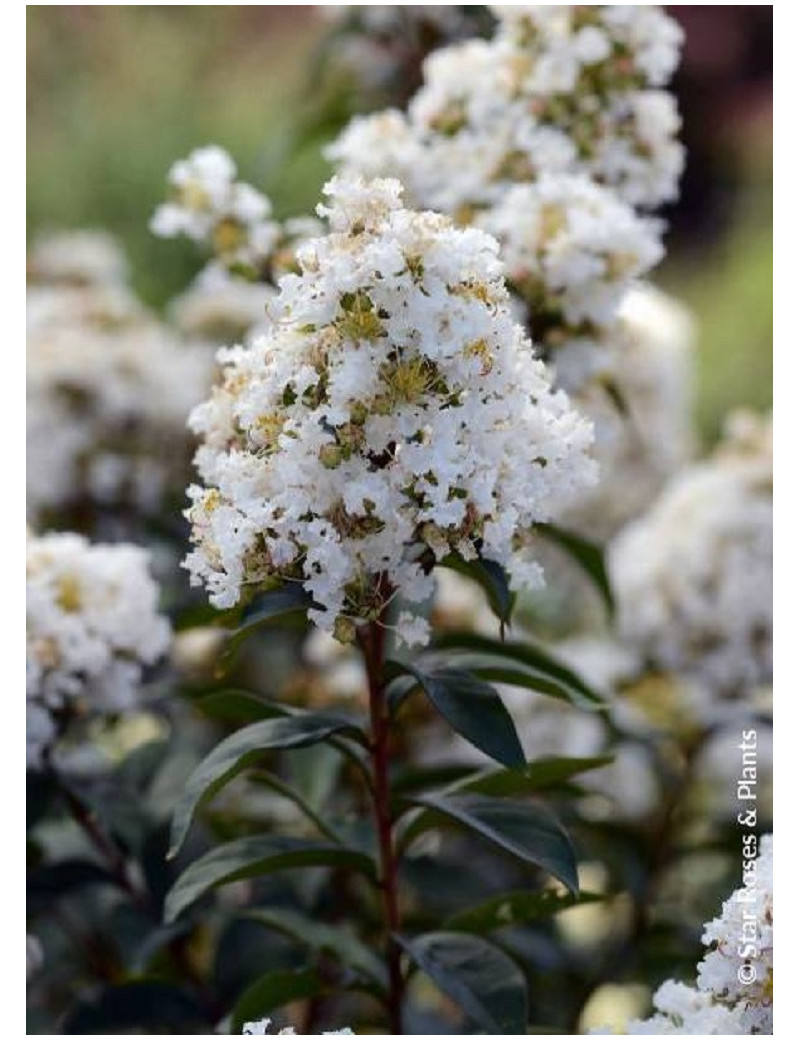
237,706
324,938
515,908
474,709
289,602
245,748
540,775
254,856
492,579
588,556
532,657
523,829
274,990
477,976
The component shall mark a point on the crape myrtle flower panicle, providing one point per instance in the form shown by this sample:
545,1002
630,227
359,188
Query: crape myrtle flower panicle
102,404
394,413
563,90
93,626
231,218
571,249
733,993
693,575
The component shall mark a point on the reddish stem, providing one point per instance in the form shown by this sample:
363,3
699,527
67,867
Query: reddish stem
372,642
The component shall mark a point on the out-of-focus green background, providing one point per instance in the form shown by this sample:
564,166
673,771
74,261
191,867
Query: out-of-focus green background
116,94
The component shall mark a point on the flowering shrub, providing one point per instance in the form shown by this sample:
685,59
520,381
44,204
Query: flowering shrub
453,744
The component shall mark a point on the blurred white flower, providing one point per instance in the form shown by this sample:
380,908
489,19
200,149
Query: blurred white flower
568,89
107,409
693,576
80,257
92,627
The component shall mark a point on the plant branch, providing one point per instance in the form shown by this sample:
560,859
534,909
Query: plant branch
372,642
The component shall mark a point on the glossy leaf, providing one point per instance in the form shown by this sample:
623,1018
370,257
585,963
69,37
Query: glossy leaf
475,711
477,976
282,603
252,857
523,829
491,577
245,748
528,654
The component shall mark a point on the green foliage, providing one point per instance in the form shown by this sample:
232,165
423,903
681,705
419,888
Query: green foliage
541,671
474,710
477,976
524,830
245,748
255,856
318,938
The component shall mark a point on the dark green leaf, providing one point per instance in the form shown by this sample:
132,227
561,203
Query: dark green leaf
274,990
535,776
324,938
245,748
478,977
528,654
276,604
237,706
515,908
474,710
589,557
252,857
492,579
523,829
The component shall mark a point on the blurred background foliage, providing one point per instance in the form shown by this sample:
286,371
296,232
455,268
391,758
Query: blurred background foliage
116,94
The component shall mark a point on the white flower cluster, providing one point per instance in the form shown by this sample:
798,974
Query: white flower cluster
393,414
264,1028
571,249
92,627
108,392
693,576
569,89
233,219
549,136
733,995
